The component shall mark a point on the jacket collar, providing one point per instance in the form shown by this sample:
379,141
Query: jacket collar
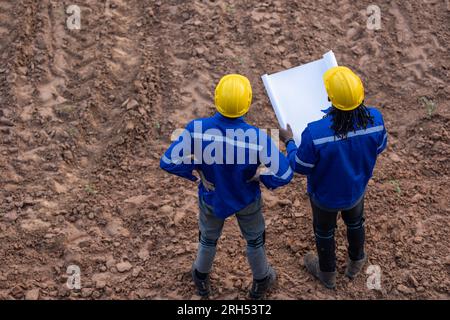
222,118
327,110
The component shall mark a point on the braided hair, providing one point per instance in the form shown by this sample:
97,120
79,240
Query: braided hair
345,121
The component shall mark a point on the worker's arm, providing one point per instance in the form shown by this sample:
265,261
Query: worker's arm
383,143
302,159
178,158
278,172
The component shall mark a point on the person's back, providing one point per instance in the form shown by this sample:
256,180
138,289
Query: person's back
342,166
226,152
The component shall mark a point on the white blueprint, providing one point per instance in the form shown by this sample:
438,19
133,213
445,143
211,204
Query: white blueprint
298,95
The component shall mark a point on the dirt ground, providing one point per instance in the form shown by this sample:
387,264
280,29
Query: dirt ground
86,114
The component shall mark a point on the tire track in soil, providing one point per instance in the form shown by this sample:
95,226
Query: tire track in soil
7,23
8,35
19,197
21,51
63,74
113,76
172,70
179,76
44,106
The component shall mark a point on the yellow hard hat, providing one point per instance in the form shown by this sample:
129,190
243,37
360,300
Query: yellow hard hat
345,89
233,96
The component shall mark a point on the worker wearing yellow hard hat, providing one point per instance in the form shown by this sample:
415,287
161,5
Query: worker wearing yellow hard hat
345,89
233,96
229,184
338,154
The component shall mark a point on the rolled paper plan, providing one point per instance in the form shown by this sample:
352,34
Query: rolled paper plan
298,95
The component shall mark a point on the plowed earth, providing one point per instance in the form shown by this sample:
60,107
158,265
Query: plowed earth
86,114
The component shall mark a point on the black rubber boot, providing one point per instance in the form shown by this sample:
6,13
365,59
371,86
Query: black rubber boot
328,279
260,288
354,267
203,286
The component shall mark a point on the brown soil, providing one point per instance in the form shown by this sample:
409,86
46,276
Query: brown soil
85,116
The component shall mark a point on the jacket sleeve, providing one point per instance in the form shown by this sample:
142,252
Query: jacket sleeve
304,158
178,159
278,173
384,140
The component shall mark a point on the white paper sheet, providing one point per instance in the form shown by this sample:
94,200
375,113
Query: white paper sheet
298,95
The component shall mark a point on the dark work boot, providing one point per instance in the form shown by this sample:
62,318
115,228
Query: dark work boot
354,267
328,279
203,286
260,288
